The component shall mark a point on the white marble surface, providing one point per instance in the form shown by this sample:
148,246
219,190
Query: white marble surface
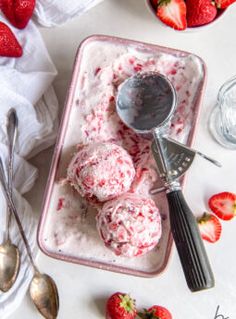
83,290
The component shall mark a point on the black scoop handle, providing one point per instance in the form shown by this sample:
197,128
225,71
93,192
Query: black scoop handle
191,250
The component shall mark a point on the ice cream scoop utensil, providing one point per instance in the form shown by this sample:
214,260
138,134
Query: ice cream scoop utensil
146,103
179,157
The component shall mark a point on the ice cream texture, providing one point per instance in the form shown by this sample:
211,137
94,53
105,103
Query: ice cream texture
102,65
101,171
129,225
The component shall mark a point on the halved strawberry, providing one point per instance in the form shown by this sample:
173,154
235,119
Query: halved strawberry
155,312
223,205
222,4
173,13
210,227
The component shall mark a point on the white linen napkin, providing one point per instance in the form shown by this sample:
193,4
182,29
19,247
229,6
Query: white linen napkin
54,12
25,84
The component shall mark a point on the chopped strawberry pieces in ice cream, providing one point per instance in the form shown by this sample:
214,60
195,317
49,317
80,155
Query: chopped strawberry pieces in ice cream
101,171
61,203
97,71
129,225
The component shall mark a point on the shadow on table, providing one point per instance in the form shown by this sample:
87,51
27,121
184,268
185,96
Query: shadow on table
100,304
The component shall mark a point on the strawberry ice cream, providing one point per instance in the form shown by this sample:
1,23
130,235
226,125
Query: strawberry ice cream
101,171
70,229
130,225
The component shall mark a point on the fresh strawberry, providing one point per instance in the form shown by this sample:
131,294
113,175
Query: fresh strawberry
210,227
222,4
18,12
9,46
200,12
223,205
120,306
172,13
155,312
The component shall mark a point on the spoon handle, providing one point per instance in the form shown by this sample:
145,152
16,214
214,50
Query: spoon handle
12,130
12,206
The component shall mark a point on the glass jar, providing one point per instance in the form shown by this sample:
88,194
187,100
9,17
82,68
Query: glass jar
222,122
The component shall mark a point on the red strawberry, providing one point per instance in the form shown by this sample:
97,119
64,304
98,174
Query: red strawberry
155,312
222,4
9,46
172,13
210,227
200,12
18,12
120,306
223,205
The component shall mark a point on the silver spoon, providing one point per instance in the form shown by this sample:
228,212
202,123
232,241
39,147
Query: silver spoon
146,103
9,253
43,290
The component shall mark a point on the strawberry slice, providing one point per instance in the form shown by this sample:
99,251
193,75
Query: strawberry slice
210,227
155,312
223,205
9,46
173,13
222,4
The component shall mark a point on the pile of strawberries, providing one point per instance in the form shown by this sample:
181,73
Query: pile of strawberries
223,205
180,14
18,13
122,306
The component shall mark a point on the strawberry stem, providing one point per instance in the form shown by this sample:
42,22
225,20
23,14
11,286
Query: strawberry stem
234,209
163,2
147,314
205,217
127,303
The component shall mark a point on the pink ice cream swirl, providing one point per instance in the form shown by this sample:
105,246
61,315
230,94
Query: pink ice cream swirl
101,171
129,225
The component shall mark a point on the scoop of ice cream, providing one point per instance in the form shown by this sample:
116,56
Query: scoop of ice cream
101,171
130,225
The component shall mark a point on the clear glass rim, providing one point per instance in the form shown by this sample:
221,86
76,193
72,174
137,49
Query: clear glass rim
227,86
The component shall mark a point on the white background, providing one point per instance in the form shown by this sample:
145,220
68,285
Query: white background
83,290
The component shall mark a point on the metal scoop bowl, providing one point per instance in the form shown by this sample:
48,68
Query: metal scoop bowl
146,103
